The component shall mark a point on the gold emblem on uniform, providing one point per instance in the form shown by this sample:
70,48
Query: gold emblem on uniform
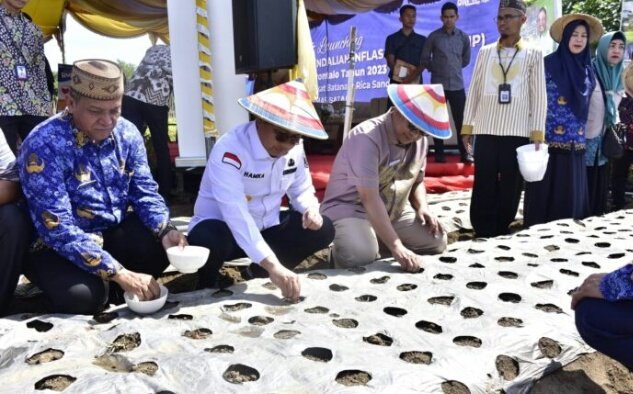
559,130
34,164
249,197
50,220
90,259
81,138
122,166
85,213
103,274
82,174
562,100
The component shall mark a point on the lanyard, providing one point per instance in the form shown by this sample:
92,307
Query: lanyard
15,48
506,70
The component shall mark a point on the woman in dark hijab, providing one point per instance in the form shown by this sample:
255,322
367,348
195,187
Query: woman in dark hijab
570,81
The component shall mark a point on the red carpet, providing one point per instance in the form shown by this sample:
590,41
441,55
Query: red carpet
440,177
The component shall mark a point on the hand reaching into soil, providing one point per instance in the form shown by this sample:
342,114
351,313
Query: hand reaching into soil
282,277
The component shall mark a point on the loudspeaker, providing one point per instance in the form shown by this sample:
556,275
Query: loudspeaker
264,35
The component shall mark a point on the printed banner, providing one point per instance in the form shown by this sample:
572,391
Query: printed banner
63,84
331,45
540,15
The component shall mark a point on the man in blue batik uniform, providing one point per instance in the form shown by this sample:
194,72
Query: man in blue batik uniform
81,173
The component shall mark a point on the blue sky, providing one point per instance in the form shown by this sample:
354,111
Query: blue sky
81,43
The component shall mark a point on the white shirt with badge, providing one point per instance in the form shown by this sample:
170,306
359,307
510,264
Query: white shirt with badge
243,186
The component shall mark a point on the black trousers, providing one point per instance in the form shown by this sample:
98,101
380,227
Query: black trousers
498,184
457,100
155,117
598,184
15,234
18,126
620,177
76,291
290,242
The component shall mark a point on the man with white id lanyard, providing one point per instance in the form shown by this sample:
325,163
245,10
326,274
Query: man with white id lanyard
25,98
506,108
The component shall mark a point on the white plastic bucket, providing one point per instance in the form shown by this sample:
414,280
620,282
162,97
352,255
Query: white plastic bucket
532,163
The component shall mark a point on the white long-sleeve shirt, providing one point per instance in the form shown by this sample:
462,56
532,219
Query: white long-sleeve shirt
243,186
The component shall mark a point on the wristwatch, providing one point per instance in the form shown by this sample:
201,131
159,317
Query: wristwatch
168,227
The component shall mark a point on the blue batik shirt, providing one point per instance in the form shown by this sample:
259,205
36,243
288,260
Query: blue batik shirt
618,285
563,130
77,188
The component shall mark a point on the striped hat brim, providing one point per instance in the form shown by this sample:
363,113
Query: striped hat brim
287,106
424,106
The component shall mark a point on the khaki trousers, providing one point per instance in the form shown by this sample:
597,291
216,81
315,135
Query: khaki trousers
356,244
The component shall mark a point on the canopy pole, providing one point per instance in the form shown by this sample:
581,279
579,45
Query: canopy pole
349,101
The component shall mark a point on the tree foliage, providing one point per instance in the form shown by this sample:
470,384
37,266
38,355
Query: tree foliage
127,68
608,11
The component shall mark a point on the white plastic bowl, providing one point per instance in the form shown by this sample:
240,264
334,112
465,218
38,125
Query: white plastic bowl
532,163
146,307
189,259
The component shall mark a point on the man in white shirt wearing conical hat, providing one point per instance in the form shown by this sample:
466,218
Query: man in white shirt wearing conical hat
238,209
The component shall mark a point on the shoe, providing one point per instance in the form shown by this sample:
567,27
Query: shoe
468,159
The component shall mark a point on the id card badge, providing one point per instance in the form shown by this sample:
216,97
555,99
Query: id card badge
20,72
505,93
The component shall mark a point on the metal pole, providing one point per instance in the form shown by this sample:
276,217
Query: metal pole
349,101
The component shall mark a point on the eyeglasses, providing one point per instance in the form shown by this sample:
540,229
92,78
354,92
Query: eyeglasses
505,18
284,136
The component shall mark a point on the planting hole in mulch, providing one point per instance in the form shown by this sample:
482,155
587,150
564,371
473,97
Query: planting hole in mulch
237,307
454,387
510,322
320,354
148,368
471,312
407,287
508,274
416,357
317,276
549,347
476,285
466,340
260,320
317,309
366,298
510,297
442,300
335,287
544,284
353,377
239,373
55,382
345,323
378,339
549,308
380,281
45,356
286,334
200,333
220,349
126,342
180,317
429,327
443,276
40,326
393,311
507,367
